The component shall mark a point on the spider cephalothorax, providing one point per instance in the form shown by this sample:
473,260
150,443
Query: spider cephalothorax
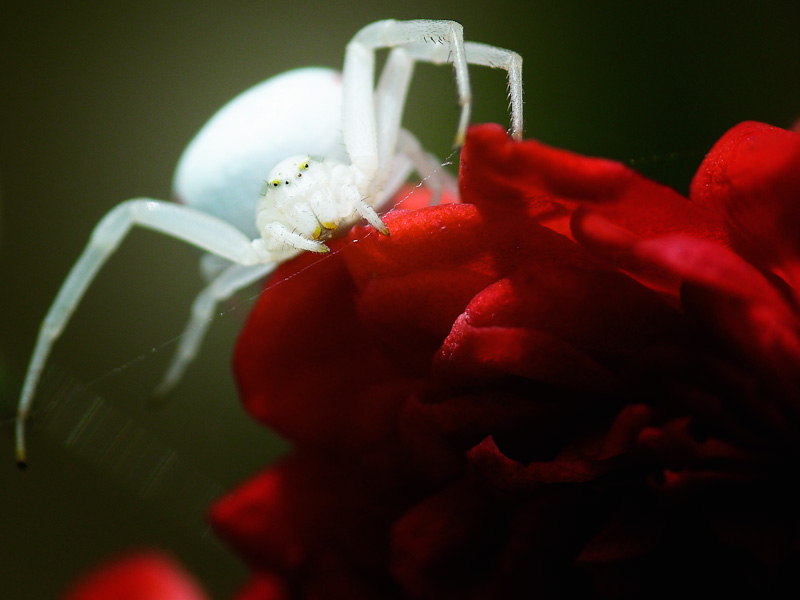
305,201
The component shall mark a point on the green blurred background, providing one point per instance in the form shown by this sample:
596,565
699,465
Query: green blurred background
98,101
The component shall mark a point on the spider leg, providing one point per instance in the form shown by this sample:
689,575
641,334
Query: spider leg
487,56
230,281
358,117
285,236
427,166
500,58
195,227
211,266
390,99
411,157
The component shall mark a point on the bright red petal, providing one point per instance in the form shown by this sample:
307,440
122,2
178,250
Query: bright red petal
147,576
752,177
611,205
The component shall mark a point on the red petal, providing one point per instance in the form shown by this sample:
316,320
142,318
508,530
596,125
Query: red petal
412,314
752,177
506,474
734,298
473,355
677,448
708,264
147,576
303,507
293,370
611,205
431,543
558,324
628,535
498,172
393,300
264,586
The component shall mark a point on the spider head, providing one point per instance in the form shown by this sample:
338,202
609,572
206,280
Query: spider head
297,202
290,172
294,180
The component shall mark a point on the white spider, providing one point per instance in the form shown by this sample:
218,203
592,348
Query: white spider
345,118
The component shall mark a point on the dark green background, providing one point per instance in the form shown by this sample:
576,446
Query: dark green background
98,101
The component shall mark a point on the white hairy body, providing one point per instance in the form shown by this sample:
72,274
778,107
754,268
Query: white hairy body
250,207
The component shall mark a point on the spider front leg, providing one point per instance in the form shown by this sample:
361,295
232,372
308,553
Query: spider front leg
487,56
230,281
190,225
371,123
359,119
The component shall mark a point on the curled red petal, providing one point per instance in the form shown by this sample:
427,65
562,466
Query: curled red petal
610,205
473,355
507,474
752,177
496,172
677,448
560,324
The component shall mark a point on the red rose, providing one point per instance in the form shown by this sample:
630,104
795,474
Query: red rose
574,382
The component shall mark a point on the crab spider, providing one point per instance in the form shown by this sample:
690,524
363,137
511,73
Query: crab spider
345,118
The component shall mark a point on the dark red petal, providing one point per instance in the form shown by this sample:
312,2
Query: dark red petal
736,300
258,519
629,535
692,483
296,375
752,177
559,324
766,334
472,355
436,436
432,542
620,436
147,576
264,586
677,448
590,452
506,474
304,506
424,306
767,538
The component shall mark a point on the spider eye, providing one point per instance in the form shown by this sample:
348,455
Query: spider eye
275,183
